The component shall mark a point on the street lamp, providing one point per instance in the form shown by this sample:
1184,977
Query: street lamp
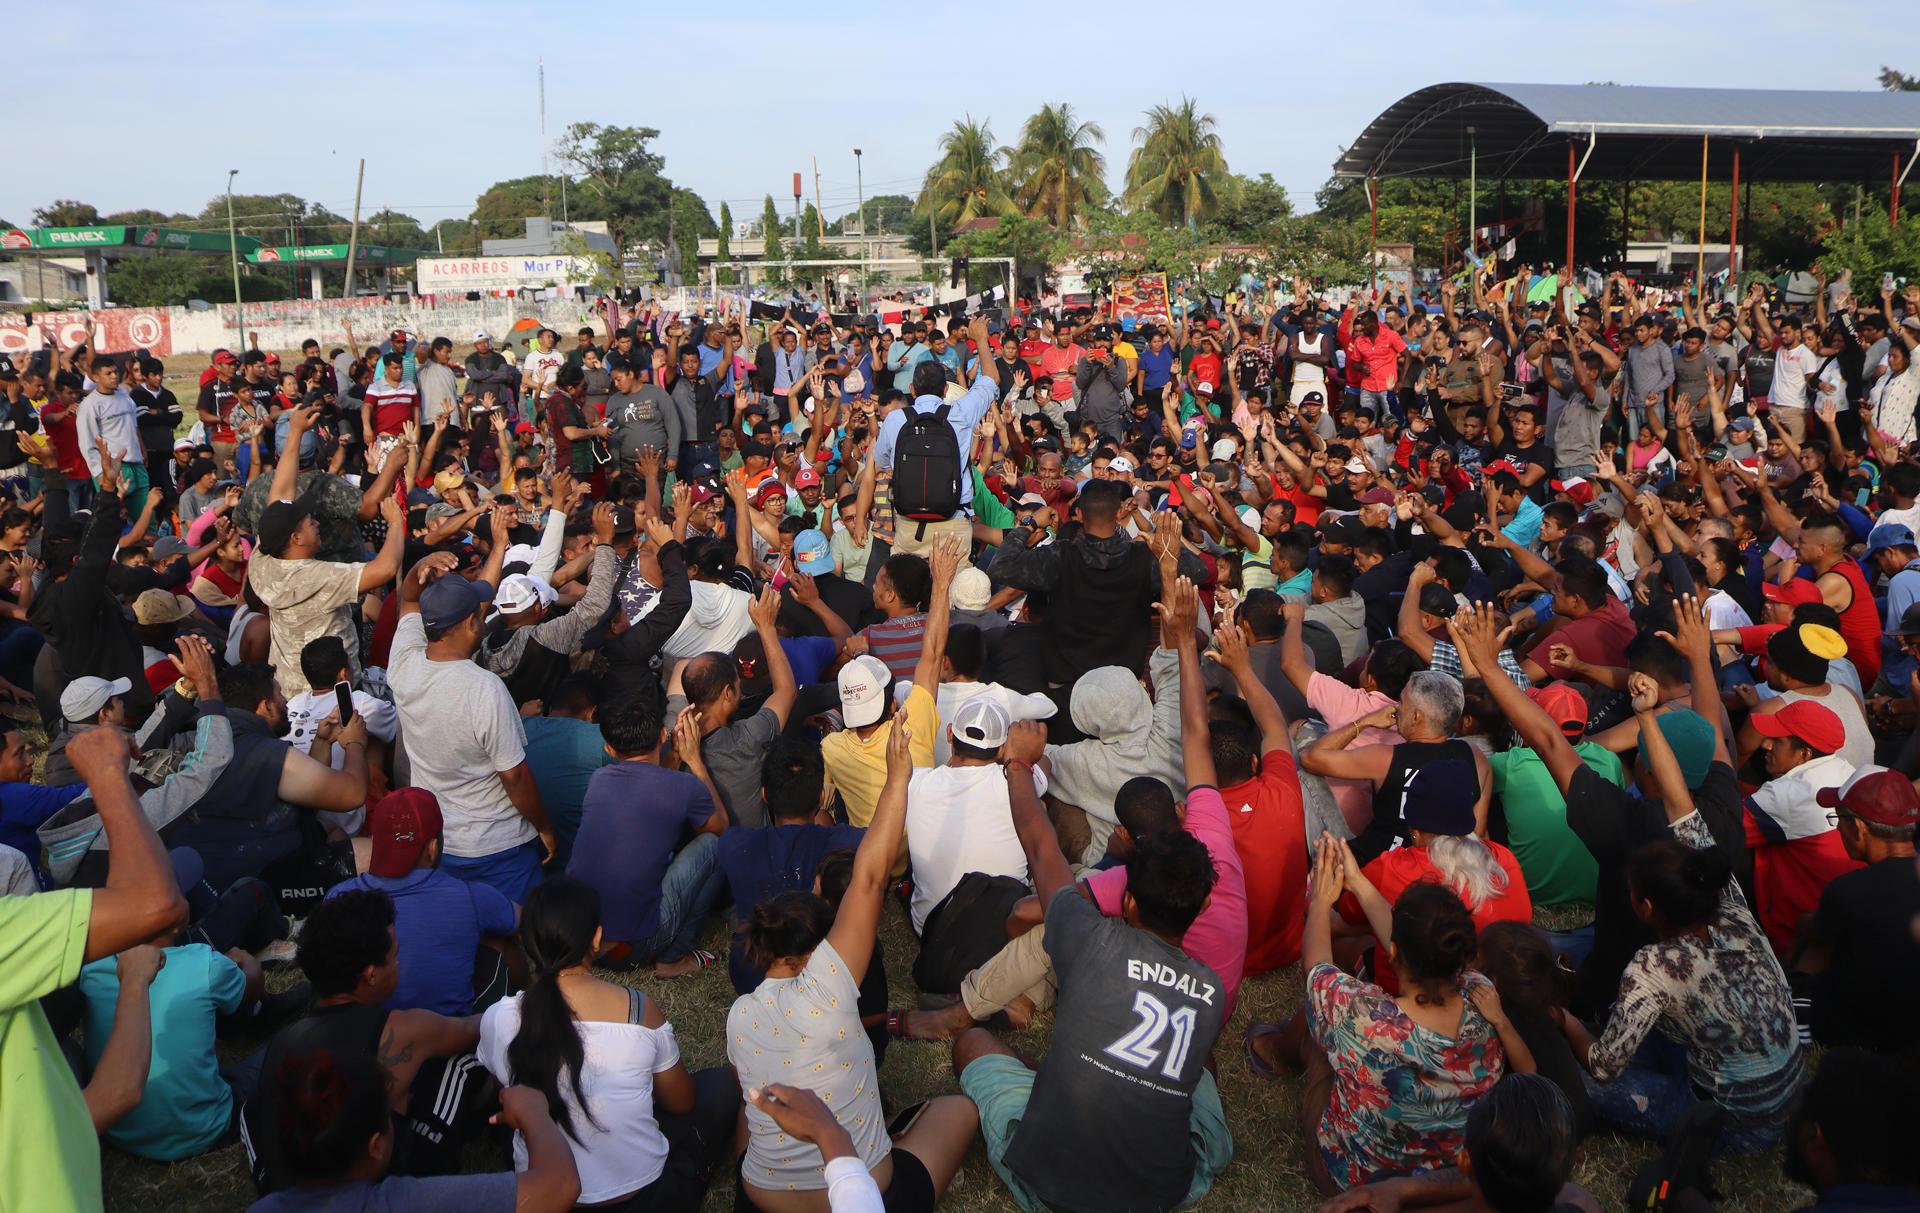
860,194
233,251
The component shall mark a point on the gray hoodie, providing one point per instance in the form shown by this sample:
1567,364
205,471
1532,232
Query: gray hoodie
1346,618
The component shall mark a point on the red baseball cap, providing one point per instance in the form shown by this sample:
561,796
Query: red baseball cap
1813,723
223,358
1577,487
1875,794
402,824
771,488
525,427
806,478
1566,705
1793,593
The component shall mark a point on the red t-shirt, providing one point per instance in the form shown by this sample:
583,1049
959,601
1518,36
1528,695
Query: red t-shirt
1031,351
1306,507
1597,638
1270,835
1860,623
1205,368
64,437
391,406
1394,872
1059,363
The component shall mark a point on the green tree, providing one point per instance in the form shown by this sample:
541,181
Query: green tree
1055,169
885,213
164,280
1035,246
692,220
500,212
393,229
65,212
1254,209
771,252
140,215
723,250
625,178
1898,82
454,235
1179,170
1871,246
966,182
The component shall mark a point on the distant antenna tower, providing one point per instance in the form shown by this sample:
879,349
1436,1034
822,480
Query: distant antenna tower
546,180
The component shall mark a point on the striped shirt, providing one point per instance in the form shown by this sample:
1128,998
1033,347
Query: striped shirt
896,642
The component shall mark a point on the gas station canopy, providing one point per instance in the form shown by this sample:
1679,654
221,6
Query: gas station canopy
366,254
119,239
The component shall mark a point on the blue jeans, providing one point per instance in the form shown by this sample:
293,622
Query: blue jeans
1646,1098
1576,945
1382,403
688,893
514,871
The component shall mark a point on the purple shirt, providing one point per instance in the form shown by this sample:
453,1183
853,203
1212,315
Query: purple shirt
631,823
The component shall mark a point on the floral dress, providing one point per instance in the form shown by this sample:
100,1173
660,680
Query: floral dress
1401,1092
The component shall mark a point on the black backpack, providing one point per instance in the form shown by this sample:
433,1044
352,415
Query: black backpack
926,468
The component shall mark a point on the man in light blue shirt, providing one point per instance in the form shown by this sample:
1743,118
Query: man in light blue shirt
712,355
928,387
1891,550
905,354
1524,529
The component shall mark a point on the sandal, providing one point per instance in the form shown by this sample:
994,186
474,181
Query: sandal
1260,1029
705,960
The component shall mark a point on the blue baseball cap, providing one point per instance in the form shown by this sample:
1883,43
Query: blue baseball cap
1889,535
812,553
451,599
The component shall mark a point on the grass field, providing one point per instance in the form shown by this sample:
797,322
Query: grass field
1266,1173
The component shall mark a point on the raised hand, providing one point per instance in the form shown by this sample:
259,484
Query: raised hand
1179,608
1329,872
1645,692
1230,649
1476,634
659,531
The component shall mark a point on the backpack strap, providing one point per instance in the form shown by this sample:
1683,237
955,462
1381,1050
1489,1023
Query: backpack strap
940,414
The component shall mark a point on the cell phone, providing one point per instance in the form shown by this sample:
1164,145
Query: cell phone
343,695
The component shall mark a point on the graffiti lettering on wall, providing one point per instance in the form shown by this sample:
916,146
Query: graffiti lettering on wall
121,330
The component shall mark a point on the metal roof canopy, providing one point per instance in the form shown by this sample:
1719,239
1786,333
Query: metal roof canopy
371,254
1650,133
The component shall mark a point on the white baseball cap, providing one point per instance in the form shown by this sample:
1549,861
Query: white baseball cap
981,722
84,697
521,553
519,592
1120,465
1225,448
971,590
480,335
863,690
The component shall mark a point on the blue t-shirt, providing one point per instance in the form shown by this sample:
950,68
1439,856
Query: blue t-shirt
186,1106
762,864
439,921
635,815
1156,369
1525,527
563,754
23,806
809,656
495,1193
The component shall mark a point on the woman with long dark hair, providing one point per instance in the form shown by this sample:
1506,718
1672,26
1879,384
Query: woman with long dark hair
335,1132
802,1026
645,1133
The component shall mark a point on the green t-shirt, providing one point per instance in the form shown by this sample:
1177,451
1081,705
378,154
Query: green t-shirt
988,510
49,1153
1560,870
1256,567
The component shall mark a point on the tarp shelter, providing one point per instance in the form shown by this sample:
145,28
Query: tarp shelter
106,242
1629,132
317,255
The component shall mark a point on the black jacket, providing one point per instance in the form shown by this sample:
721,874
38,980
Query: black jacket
1100,597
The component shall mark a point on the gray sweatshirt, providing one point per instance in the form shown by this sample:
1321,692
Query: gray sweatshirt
1649,369
1102,388
644,417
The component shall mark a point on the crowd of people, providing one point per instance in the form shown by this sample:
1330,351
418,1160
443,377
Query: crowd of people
1119,661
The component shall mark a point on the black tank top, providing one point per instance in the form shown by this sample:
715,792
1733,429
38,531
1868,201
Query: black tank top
344,1029
1387,828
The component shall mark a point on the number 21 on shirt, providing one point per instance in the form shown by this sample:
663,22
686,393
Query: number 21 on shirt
1140,1047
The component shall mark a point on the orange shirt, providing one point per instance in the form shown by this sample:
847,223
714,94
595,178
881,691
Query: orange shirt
1392,874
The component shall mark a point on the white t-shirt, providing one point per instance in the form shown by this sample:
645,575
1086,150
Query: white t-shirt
461,730
627,1151
958,821
1790,371
539,372
1725,612
306,710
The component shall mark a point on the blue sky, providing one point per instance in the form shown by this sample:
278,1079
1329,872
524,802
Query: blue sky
441,98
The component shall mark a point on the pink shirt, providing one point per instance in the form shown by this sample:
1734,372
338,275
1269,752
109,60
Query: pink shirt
1218,938
1340,705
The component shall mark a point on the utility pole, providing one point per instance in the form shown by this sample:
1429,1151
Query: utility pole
546,180
933,235
860,197
819,215
233,251
1473,193
353,233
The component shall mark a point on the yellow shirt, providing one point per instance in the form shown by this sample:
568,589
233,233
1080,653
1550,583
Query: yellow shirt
859,767
1122,348
49,1153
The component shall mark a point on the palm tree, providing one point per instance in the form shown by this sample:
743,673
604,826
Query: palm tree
1055,167
967,180
1179,171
